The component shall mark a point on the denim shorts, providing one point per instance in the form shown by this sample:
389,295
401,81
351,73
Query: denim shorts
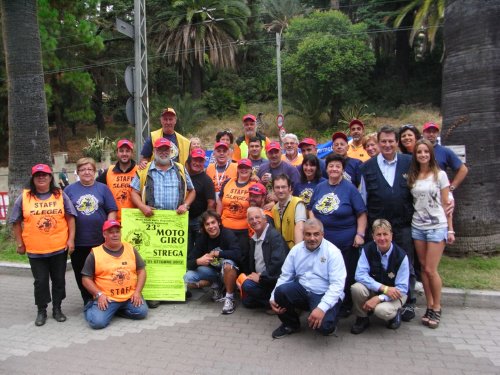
430,235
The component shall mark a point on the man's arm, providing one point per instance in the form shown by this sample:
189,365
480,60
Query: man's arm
459,176
336,275
136,298
184,207
300,218
70,219
137,201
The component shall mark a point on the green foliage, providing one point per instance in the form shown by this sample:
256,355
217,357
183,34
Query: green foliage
8,251
471,273
328,57
97,146
222,102
354,111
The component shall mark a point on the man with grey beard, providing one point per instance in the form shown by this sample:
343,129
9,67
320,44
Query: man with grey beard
162,185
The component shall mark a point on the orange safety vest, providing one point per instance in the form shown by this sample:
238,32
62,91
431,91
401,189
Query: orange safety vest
119,184
116,276
219,178
45,227
235,205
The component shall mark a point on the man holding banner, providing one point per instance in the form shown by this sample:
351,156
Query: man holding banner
162,185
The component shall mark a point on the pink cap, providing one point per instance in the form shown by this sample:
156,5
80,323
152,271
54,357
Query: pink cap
110,224
258,189
198,153
249,116
221,144
273,146
245,162
307,141
430,125
125,142
41,168
163,142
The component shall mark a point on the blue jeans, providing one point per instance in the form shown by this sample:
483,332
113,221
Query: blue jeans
255,295
98,318
293,295
209,273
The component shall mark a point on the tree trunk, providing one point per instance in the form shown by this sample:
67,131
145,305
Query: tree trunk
58,119
403,51
471,117
97,100
196,77
29,142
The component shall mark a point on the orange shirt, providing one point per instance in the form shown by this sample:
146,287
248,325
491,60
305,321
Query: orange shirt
357,152
119,184
295,162
234,205
219,178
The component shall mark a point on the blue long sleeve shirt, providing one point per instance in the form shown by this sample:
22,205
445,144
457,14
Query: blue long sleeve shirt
321,271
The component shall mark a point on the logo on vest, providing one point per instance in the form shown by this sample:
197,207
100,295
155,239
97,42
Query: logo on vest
328,203
138,238
46,224
120,275
391,275
122,196
87,204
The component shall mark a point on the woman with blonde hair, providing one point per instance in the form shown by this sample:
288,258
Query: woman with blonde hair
370,144
431,227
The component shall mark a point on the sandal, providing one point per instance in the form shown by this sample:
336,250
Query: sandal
434,319
426,317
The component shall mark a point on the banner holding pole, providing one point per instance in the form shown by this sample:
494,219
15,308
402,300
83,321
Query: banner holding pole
162,242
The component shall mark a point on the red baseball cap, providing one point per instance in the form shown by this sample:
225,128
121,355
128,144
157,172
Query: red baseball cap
356,122
41,168
163,142
273,146
168,110
221,144
125,142
245,162
430,125
249,116
110,224
307,141
258,189
198,153
339,135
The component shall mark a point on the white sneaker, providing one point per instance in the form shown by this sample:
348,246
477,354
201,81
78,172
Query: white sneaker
229,306
419,288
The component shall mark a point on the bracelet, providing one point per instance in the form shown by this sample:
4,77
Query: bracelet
451,232
386,289
360,234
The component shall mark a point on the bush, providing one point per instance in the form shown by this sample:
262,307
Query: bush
222,102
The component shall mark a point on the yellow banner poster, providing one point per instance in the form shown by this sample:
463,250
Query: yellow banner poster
162,242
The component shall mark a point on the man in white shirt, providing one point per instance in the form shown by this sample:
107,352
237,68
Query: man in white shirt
312,279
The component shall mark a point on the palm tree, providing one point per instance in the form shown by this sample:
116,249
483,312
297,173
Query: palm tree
471,117
190,32
428,16
28,126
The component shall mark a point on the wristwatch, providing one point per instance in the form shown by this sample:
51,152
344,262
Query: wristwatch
98,294
381,298
452,188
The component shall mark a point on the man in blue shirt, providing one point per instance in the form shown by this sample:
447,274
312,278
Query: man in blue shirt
382,279
445,157
312,279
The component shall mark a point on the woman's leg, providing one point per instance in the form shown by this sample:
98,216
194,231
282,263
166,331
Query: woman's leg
434,254
421,249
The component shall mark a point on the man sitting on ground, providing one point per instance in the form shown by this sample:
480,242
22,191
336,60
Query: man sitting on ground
382,279
312,279
114,273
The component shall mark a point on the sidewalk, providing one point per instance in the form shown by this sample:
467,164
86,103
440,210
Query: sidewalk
195,338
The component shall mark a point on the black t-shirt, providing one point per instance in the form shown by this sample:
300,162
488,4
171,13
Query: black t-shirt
204,187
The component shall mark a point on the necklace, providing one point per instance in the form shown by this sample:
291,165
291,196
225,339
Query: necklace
220,179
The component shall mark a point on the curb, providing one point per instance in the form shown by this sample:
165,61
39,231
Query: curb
487,299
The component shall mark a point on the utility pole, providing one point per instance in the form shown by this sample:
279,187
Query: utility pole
136,77
278,67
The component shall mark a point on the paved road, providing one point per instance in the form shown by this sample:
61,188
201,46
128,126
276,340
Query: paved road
194,338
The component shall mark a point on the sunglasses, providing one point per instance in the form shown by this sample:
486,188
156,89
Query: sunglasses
408,126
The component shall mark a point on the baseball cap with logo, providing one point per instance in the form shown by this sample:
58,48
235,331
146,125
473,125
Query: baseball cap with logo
125,142
339,135
430,125
44,168
249,116
258,189
307,141
245,162
198,153
168,110
162,142
273,146
110,224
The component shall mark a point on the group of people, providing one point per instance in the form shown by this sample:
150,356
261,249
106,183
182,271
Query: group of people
284,230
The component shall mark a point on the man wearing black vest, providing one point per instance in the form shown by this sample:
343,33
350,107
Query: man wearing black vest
384,188
382,279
